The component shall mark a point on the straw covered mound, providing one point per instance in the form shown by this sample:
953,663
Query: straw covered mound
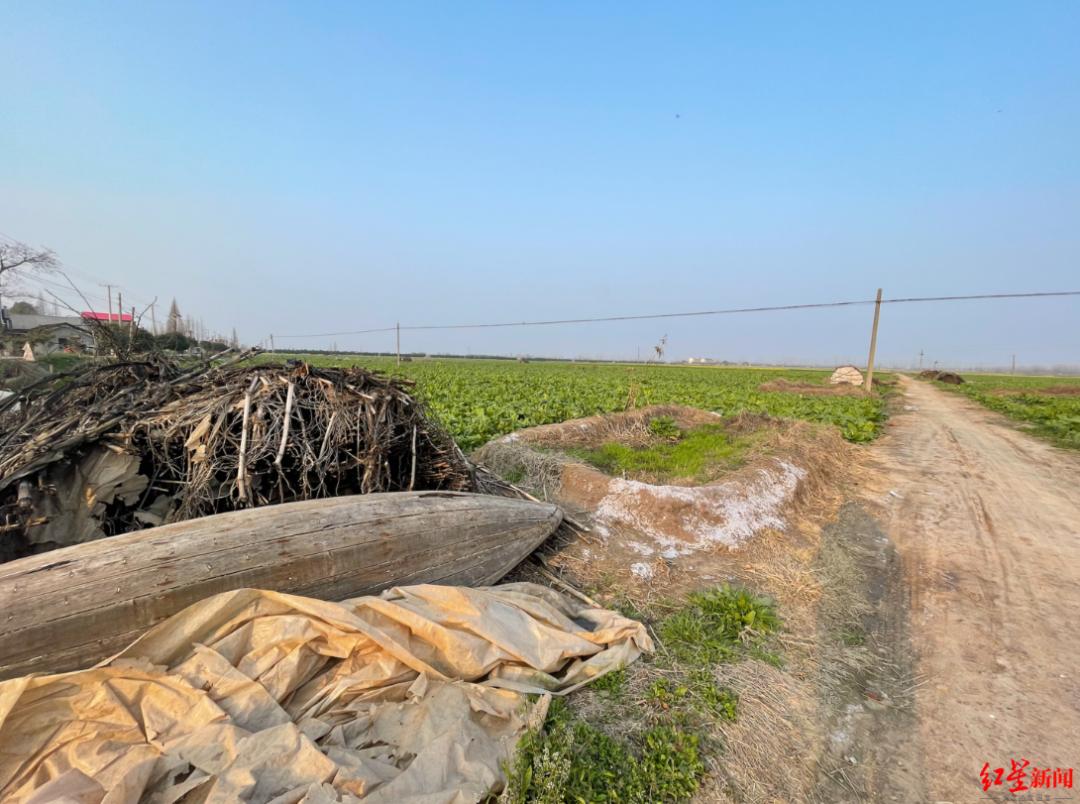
110,449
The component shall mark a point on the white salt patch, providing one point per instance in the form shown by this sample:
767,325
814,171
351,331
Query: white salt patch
643,571
726,513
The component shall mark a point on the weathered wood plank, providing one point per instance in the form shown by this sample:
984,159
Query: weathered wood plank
74,606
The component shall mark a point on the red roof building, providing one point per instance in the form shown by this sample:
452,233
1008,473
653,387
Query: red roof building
121,318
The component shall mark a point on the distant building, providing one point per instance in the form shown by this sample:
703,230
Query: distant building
46,334
700,360
116,318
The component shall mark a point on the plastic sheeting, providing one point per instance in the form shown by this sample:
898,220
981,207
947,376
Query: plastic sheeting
418,695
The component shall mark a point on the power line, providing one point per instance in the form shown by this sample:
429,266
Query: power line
332,334
697,313
63,287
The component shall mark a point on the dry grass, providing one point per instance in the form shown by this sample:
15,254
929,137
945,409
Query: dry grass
218,438
777,721
538,472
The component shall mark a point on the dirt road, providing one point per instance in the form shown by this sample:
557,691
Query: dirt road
987,522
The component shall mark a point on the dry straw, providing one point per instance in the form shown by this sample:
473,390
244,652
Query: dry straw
215,439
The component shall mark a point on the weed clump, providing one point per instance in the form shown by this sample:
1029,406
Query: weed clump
699,692
719,626
664,427
612,683
573,761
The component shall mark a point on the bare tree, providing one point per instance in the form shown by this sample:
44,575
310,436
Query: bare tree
16,256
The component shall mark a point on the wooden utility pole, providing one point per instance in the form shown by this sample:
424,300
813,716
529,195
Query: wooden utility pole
397,327
153,319
108,291
271,341
131,329
119,309
873,345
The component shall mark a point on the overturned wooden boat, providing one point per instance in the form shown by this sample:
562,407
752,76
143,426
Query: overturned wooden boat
71,607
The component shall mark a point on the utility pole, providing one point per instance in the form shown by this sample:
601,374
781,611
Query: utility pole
873,345
108,292
119,309
271,341
1014,364
153,319
920,359
398,329
131,329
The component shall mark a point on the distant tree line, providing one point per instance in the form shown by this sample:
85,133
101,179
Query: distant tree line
143,341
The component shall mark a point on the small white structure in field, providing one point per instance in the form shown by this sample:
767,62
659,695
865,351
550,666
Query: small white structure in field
846,375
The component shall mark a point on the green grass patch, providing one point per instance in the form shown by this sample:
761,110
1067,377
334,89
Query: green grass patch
613,683
719,626
699,454
672,698
698,691
665,427
571,761
1030,401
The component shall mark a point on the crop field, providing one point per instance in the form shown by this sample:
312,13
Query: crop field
478,400
1048,406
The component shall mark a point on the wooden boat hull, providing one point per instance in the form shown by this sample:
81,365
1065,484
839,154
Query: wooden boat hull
74,606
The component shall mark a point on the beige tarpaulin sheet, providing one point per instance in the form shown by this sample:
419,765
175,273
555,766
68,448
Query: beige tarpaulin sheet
413,696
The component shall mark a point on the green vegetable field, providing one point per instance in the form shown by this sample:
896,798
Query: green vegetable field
478,400
1049,406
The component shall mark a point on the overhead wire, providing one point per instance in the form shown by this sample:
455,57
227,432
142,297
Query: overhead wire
691,314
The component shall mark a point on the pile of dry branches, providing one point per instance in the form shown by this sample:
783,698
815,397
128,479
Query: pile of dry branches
115,448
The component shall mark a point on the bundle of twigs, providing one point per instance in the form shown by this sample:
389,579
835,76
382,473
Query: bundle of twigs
210,440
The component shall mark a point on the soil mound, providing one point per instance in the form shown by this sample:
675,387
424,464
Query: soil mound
665,521
630,427
941,376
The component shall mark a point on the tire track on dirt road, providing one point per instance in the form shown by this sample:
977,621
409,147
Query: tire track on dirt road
987,523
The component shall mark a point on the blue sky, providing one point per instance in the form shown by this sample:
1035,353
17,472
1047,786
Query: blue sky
303,167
